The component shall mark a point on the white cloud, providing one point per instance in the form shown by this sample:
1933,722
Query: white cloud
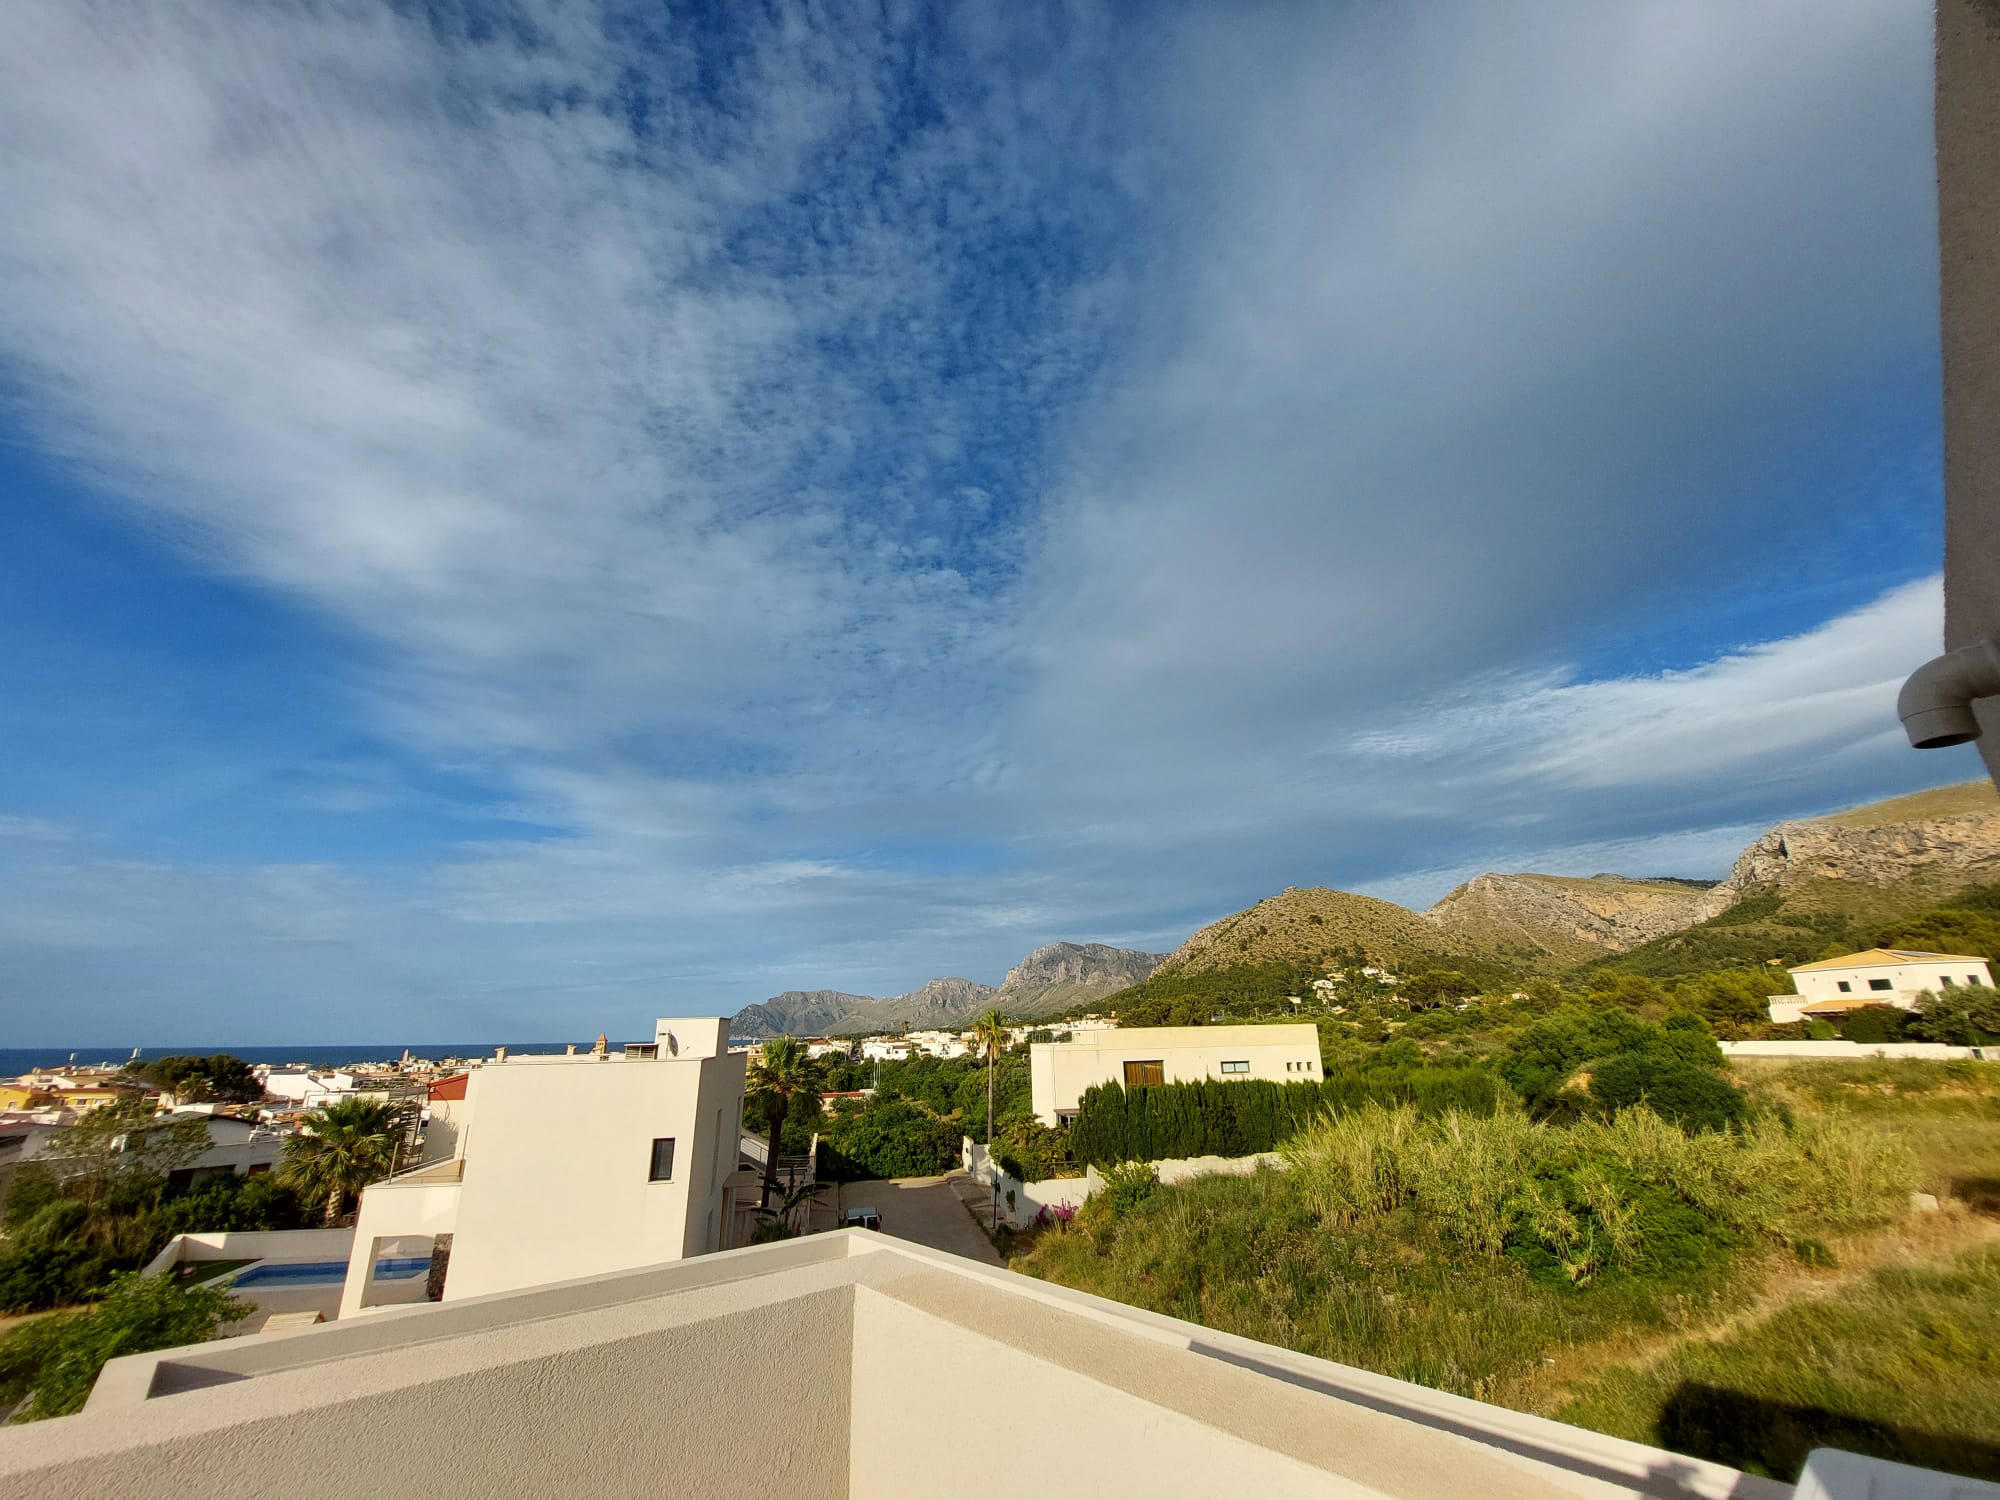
855,596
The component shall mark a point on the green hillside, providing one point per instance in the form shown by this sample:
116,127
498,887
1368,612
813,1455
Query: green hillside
1307,924
1939,802
1779,932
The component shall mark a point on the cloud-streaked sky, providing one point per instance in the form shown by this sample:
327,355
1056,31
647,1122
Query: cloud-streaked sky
516,519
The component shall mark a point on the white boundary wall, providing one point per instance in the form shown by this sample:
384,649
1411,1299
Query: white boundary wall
281,1245
1029,1198
1853,1051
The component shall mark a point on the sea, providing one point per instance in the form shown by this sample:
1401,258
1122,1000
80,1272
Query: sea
15,1061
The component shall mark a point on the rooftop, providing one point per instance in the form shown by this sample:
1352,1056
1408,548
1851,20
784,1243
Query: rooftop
878,1367
1873,958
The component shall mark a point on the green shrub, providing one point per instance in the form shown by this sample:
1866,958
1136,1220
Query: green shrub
1691,1097
34,1277
1542,1058
56,1359
1821,1031
1128,1185
893,1138
1030,1151
1874,1023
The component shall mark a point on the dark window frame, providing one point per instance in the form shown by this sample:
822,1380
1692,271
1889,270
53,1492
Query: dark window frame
1158,1066
662,1171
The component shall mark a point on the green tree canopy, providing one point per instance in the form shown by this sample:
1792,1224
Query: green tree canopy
1436,987
1959,1017
219,1078
1694,1098
344,1146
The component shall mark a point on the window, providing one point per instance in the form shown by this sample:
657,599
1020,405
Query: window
663,1159
1947,980
1141,1074
1236,1067
1845,987
1880,984
1973,980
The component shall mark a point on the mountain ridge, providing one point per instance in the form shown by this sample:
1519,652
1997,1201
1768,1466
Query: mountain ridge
1052,978
1863,862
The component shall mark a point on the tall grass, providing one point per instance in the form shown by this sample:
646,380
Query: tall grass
1598,1193
1901,1365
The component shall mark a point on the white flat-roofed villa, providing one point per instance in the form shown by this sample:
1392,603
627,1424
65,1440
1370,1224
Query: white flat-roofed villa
1875,976
557,1166
1060,1072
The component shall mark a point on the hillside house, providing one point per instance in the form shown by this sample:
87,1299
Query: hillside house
1136,1056
235,1148
546,1168
1875,976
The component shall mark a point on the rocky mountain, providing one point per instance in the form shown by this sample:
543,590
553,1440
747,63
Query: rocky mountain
1052,978
796,1013
942,1002
1864,864
1567,919
1309,922
1058,975
1875,859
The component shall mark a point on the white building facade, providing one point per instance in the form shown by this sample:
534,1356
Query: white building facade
1876,976
567,1166
1137,1056
306,1089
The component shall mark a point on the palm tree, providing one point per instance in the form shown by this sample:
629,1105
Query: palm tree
348,1144
989,1040
784,1071
777,1218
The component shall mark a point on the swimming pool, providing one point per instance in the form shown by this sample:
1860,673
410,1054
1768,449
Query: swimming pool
329,1272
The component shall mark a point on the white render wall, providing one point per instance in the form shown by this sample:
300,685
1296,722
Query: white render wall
1030,1198
1856,1051
555,1180
550,1176
1906,980
1060,1072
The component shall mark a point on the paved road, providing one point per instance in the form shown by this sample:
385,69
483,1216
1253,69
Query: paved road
924,1210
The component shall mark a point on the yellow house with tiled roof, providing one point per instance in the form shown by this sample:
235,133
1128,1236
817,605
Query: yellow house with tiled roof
1876,976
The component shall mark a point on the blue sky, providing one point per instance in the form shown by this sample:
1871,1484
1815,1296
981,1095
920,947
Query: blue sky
519,519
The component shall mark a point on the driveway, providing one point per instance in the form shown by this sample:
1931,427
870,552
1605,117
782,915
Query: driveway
923,1210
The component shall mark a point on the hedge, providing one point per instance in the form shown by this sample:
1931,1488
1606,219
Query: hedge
1163,1122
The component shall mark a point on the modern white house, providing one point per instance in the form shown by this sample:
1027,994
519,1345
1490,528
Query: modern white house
1876,976
1060,1072
554,1167
307,1089
235,1147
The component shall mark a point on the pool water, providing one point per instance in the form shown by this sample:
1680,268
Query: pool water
329,1272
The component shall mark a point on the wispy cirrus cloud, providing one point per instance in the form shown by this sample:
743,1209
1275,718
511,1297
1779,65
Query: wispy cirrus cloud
839,495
